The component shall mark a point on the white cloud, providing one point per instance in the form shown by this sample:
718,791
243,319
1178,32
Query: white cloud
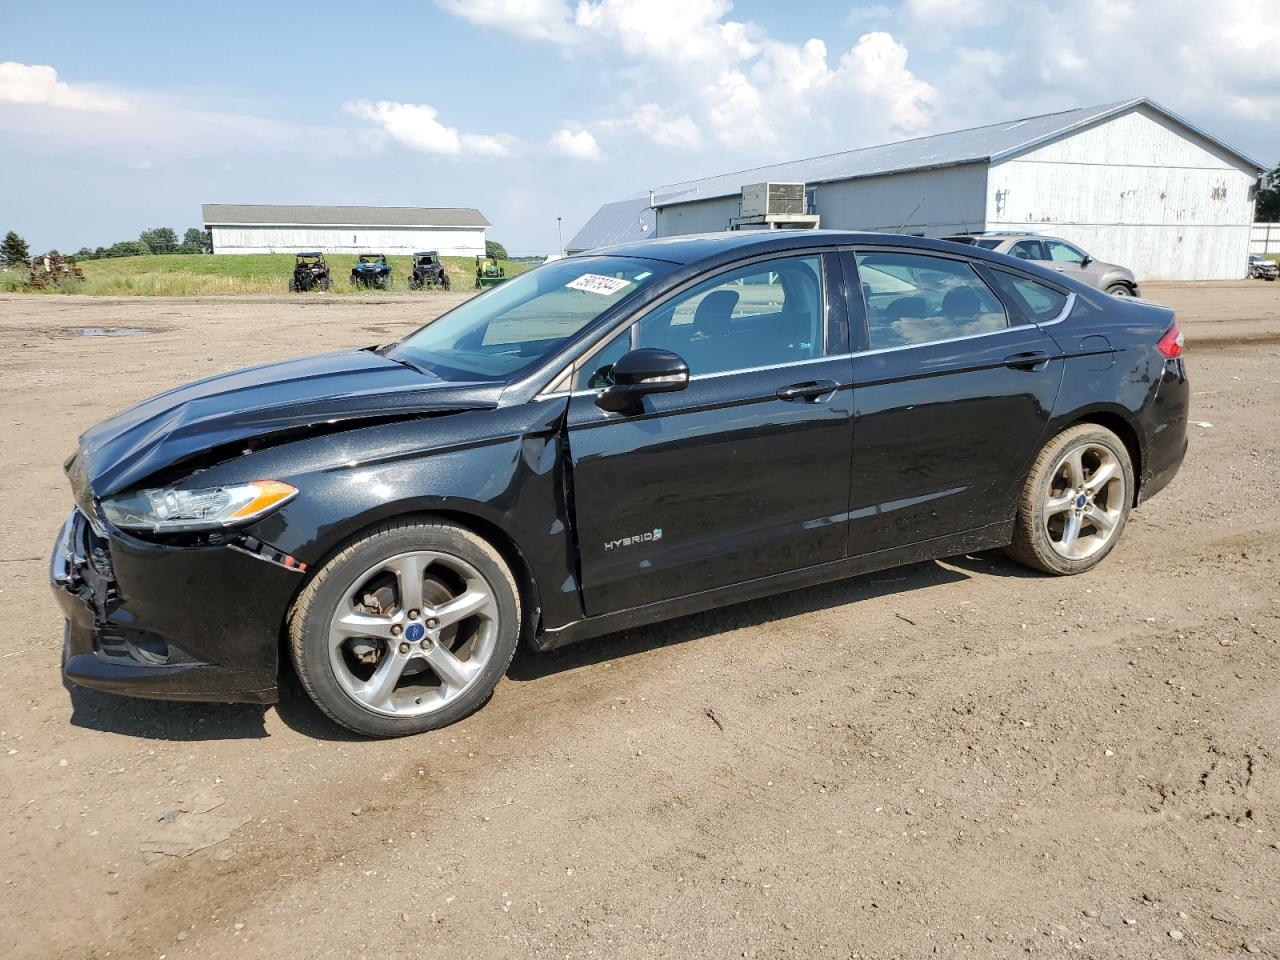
957,13
657,125
39,85
416,125
576,144
700,77
532,19
1221,67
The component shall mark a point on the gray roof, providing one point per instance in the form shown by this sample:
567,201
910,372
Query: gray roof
617,222
244,214
991,143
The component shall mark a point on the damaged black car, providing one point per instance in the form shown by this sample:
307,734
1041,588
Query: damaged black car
606,441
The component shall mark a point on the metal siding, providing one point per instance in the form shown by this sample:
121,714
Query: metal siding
1135,190
953,201
461,242
704,216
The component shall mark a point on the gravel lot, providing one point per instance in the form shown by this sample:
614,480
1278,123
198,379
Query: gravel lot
954,758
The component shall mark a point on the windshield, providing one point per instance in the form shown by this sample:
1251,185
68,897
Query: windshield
989,244
515,326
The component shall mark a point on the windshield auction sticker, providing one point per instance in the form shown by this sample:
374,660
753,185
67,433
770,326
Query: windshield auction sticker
594,283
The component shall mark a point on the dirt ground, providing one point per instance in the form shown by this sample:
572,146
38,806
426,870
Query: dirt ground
954,759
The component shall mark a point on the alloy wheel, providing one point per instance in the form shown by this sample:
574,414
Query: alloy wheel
1085,501
412,633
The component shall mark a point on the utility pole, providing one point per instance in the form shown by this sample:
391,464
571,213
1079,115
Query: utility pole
560,234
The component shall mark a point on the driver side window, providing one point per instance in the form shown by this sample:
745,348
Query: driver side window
759,315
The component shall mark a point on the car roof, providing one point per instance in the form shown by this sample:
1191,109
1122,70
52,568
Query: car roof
317,254
730,245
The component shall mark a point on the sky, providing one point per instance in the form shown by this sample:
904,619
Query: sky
118,118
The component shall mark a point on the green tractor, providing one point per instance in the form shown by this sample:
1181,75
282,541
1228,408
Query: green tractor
488,272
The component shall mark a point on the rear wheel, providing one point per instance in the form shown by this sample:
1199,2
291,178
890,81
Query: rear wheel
1075,502
408,629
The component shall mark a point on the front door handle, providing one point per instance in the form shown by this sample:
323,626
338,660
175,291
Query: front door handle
809,390
1030,360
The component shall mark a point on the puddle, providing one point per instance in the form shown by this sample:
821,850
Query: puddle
111,331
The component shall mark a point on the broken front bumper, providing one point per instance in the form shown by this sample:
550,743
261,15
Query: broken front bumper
168,622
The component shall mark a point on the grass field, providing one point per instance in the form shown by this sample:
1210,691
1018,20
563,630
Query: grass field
186,275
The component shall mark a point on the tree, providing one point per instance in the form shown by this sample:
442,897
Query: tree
14,249
160,240
125,248
492,248
1268,208
196,240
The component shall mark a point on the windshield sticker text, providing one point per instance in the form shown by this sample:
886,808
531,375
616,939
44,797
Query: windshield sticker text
595,283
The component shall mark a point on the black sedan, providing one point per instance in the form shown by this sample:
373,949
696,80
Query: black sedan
606,441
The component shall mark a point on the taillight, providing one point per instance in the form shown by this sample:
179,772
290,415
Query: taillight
1170,345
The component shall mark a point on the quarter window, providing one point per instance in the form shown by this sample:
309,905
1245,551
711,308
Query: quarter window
1063,252
755,316
914,298
1036,301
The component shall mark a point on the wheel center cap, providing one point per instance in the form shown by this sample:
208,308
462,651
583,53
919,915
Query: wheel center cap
1081,501
414,632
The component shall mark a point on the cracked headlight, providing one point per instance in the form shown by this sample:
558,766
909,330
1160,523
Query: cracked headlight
168,510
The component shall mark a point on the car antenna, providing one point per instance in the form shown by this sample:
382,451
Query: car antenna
909,216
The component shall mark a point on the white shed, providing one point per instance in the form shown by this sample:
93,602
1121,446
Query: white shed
1131,182
270,228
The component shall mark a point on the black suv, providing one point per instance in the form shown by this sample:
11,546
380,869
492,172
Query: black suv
605,441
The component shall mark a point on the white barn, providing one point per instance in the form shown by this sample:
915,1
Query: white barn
1131,183
269,228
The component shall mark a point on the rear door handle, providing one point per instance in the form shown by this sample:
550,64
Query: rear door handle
809,390
1030,360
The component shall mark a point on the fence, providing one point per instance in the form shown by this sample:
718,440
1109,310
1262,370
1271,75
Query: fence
1264,238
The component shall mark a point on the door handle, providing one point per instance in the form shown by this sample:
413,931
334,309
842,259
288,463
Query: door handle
809,390
1030,360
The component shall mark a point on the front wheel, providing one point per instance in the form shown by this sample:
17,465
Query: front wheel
1120,290
408,629
1075,502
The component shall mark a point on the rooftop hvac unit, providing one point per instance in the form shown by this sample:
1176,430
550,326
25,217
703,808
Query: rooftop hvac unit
773,200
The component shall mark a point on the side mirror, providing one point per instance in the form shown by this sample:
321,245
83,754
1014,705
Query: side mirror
1086,261
639,373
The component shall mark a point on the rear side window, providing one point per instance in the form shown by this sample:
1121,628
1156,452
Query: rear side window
1063,252
1033,300
1028,250
915,298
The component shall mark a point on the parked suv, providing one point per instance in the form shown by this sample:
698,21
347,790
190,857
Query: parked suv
1055,254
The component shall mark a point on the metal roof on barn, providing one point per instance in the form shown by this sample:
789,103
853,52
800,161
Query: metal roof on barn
987,144
265,214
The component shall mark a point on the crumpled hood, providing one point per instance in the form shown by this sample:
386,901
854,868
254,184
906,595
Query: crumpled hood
257,402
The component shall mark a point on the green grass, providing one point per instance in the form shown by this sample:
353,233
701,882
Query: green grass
188,275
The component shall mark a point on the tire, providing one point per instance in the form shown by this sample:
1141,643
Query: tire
1063,493
1120,290
413,676
293,286
444,282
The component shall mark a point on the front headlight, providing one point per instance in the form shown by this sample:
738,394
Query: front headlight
169,510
